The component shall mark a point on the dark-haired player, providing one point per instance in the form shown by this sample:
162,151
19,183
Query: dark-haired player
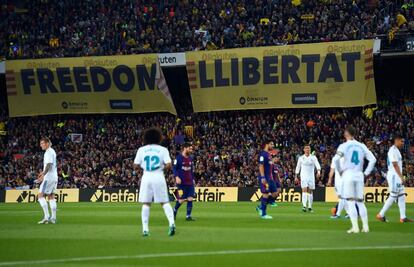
353,154
153,159
184,178
395,181
266,182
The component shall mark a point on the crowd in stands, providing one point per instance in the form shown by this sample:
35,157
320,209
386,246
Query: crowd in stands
226,144
69,28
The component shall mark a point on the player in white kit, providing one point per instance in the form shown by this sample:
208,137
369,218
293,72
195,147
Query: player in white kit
353,154
153,159
395,181
306,167
48,179
338,189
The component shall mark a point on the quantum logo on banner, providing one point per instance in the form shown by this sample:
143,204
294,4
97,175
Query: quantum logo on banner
85,85
338,74
30,196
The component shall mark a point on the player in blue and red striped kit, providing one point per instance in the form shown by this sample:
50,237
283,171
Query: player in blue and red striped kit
184,178
277,172
267,184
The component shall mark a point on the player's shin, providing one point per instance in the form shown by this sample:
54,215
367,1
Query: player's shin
145,213
353,214
169,213
341,205
388,203
189,208
310,199
53,207
304,198
264,204
364,215
401,206
43,204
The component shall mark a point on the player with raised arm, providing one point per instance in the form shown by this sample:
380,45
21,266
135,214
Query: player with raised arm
395,181
266,182
338,189
306,168
184,178
153,159
353,154
48,179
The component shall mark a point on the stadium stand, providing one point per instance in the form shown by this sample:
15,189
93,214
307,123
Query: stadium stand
67,28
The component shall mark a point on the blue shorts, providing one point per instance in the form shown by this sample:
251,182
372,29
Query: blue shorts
270,187
185,191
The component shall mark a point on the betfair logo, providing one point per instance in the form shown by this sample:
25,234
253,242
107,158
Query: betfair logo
285,196
122,195
97,196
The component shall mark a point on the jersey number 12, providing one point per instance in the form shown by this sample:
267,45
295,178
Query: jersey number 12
152,163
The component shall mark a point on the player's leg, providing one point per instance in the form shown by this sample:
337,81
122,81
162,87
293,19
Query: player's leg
53,204
146,195
53,208
401,206
272,197
363,213
304,186
391,199
159,187
350,195
145,214
180,200
341,206
43,203
310,194
190,195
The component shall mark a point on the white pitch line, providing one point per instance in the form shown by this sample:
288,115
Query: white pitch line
200,253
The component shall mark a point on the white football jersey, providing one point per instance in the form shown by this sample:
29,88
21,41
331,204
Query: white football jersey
306,166
354,153
152,158
50,157
394,155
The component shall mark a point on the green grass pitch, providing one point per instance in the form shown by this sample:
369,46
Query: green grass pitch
225,234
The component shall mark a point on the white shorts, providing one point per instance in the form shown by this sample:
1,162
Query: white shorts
353,185
48,187
310,183
395,185
153,189
338,187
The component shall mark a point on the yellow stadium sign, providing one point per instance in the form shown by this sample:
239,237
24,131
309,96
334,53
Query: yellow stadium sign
115,84
30,195
372,194
337,74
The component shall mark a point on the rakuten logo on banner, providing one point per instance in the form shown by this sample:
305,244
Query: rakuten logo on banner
172,59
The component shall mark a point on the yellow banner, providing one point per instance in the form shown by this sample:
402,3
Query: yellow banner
336,74
372,194
30,195
113,84
213,194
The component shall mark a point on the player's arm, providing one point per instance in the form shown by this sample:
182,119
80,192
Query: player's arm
262,170
298,166
331,175
318,166
138,160
392,157
167,160
49,164
176,168
371,161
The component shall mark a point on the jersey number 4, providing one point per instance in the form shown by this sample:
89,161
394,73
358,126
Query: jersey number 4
152,163
355,157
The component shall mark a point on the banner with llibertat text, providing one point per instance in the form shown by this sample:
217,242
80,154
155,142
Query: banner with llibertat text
335,74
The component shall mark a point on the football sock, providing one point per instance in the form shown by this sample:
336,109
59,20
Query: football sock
263,205
177,205
43,204
340,207
145,213
353,214
304,198
189,208
401,205
169,213
388,203
363,214
310,196
53,206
